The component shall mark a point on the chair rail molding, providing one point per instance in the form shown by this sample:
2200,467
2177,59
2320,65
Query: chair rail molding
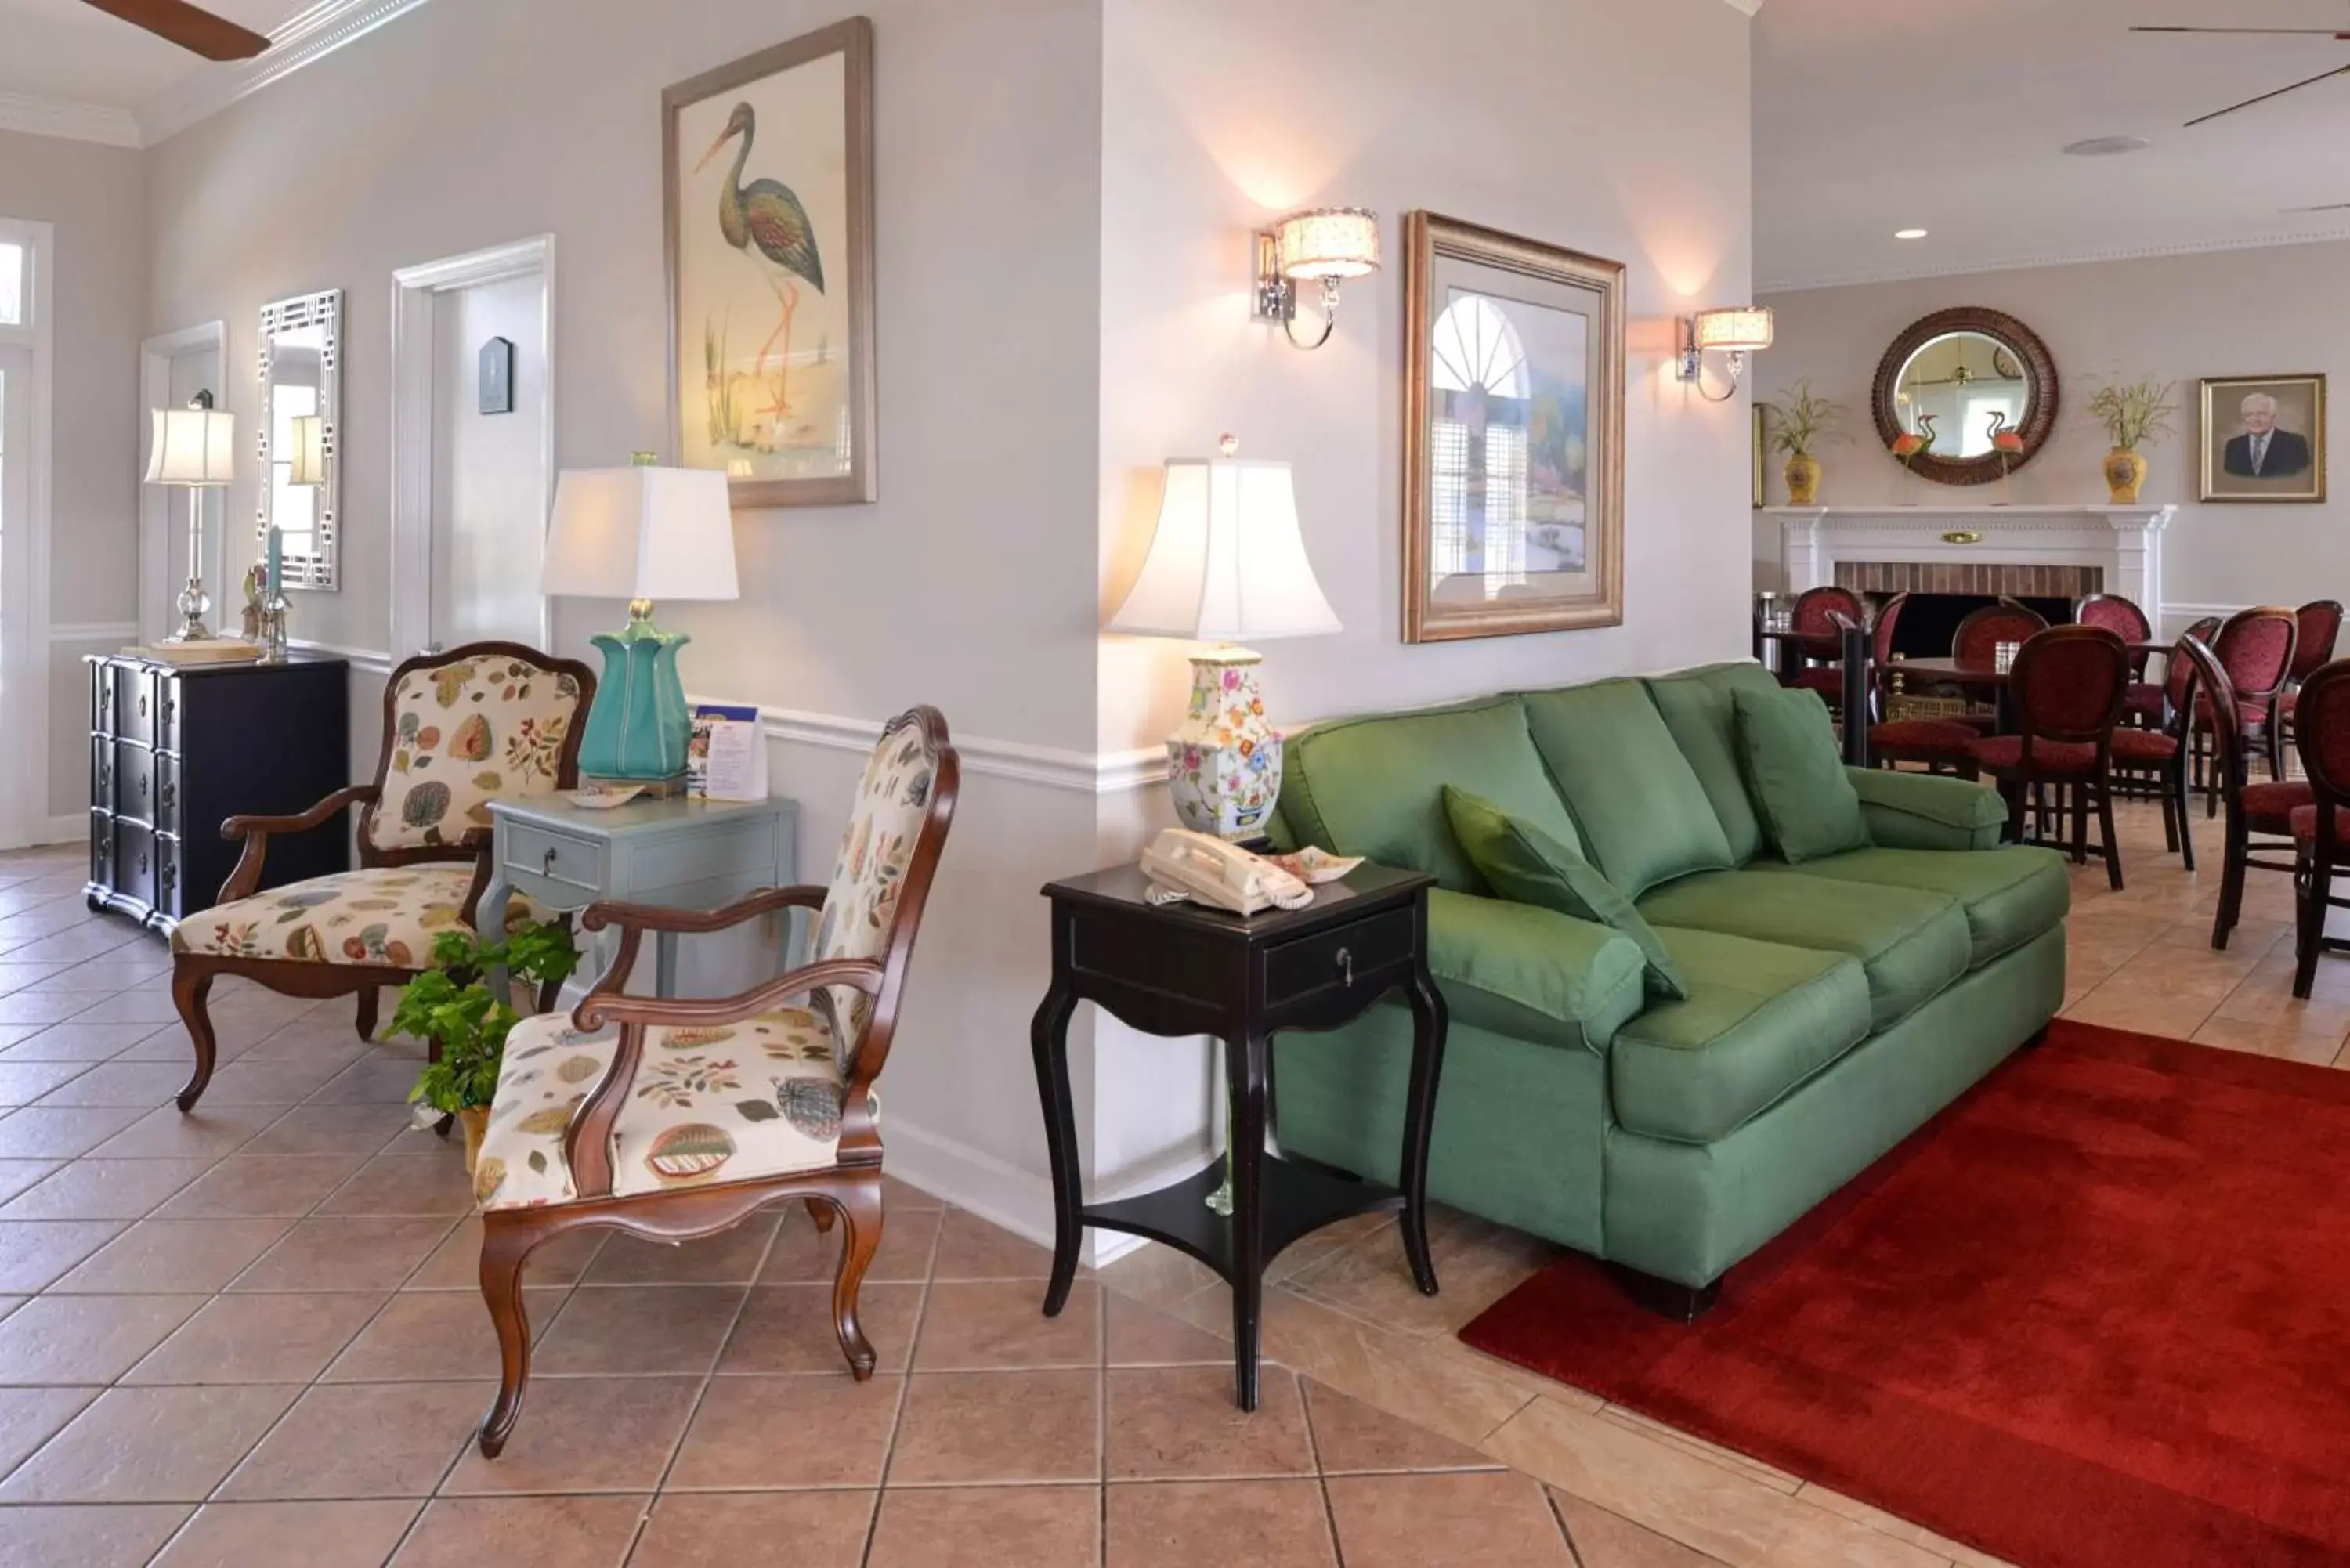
1053,767
2124,542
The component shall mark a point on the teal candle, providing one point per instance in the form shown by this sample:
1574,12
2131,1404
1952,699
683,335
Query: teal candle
276,560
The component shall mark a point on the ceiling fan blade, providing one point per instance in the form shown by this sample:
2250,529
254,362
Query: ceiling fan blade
2256,32
2296,87
177,22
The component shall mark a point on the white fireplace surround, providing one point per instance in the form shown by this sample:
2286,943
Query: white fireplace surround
2126,541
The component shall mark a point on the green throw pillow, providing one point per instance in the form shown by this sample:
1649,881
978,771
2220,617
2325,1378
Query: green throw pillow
1806,800
1528,866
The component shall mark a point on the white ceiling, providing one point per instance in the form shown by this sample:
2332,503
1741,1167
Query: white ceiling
1871,117
64,50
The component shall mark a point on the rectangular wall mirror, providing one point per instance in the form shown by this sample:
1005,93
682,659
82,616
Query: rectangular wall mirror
301,433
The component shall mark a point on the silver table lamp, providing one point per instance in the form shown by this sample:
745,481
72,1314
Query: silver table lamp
194,448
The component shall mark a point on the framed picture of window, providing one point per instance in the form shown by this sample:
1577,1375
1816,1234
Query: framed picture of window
1513,439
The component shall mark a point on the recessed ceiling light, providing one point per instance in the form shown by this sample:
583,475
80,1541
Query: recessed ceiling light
2107,146
1909,233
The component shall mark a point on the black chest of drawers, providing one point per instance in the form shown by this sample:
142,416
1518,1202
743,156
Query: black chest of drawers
174,751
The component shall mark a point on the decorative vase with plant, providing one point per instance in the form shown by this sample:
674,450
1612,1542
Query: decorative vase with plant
1804,422
453,1007
2133,414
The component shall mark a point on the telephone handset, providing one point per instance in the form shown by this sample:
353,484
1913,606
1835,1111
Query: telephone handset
1182,864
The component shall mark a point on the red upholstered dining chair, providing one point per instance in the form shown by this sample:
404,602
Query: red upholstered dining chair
460,728
2126,621
1816,622
2321,828
671,1118
1938,743
2153,761
2066,693
1979,636
2258,817
2313,648
2255,646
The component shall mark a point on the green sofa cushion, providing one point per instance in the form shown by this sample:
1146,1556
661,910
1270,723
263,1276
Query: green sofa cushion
1912,942
1926,811
2009,895
1788,743
1527,866
1760,1018
1375,786
1534,973
1644,817
1695,705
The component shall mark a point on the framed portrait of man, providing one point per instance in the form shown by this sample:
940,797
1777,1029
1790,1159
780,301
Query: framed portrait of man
2265,438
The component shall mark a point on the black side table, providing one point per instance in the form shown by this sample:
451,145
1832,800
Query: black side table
1184,969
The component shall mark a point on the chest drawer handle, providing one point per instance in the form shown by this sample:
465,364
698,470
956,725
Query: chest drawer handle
171,712
1346,966
142,704
171,796
546,862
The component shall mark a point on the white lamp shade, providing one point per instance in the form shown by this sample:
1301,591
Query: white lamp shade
640,533
1329,242
191,446
307,463
1746,329
1226,563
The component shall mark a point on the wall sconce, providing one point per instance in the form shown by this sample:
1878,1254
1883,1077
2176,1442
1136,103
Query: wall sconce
1735,332
1325,243
306,460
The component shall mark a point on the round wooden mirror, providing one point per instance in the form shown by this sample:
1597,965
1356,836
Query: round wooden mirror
1967,375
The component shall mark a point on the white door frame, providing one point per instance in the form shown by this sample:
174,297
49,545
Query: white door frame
414,299
25,653
162,510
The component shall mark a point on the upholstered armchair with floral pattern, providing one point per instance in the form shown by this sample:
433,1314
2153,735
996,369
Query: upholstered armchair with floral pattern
673,1120
461,728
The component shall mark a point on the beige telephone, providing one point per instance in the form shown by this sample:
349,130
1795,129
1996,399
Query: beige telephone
1193,866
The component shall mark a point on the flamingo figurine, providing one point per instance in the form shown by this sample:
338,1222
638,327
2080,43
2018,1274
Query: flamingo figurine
768,216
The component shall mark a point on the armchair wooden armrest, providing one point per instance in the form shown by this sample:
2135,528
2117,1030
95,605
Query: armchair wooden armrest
635,920
255,832
587,1141
660,918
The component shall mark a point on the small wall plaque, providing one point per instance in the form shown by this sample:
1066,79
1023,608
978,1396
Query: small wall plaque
497,376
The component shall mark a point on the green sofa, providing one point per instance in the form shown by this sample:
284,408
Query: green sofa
1833,1006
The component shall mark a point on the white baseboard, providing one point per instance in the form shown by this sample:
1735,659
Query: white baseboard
995,1190
66,827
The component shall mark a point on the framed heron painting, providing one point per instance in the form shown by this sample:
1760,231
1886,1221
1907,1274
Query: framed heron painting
768,196
1513,434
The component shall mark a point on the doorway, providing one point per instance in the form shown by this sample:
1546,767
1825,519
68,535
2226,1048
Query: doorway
473,447
172,369
25,657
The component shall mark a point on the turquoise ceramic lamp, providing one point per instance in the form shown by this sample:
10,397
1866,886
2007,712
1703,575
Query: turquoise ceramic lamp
639,534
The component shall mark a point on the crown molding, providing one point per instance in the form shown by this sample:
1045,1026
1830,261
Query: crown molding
2054,258
1748,6
304,39
64,117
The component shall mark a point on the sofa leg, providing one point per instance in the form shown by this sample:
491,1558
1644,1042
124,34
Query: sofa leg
1666,1298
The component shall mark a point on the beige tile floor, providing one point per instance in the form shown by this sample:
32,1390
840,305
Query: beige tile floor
251,1336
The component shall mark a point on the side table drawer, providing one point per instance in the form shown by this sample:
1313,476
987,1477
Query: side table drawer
534,852
1363,953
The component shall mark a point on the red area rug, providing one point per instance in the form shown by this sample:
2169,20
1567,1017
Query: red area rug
2096,1314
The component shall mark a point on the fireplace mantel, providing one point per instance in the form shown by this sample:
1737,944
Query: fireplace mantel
2125,541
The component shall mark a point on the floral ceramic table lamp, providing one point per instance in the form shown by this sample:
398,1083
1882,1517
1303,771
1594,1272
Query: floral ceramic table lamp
1226,564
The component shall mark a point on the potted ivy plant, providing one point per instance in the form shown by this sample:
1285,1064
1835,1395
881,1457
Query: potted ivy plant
452,1006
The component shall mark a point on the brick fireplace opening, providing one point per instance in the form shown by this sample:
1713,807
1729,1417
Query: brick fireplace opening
1943,592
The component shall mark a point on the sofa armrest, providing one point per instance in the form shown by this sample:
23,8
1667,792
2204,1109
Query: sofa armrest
1533,972
1927,811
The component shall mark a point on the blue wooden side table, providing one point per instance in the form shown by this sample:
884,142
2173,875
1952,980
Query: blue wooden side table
689,853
